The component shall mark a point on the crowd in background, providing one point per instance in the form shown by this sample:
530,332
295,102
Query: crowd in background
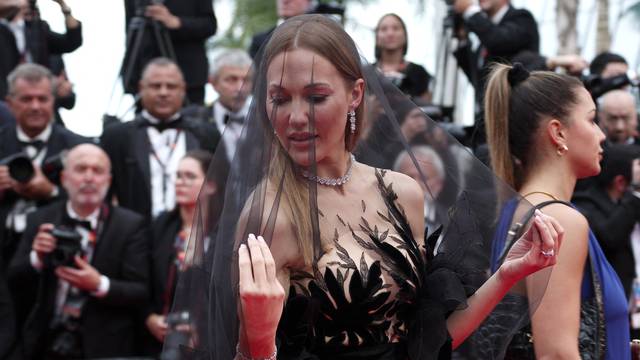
93,231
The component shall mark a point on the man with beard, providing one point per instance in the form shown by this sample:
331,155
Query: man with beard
34,134
88,260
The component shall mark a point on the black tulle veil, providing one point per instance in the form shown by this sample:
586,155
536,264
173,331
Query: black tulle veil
258,185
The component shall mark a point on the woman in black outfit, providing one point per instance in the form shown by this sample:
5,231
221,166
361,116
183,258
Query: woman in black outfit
391,48
170,233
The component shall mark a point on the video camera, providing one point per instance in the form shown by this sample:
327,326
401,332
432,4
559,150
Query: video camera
68,245
598,86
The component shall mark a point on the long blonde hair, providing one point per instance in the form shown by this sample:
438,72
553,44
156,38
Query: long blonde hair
326,38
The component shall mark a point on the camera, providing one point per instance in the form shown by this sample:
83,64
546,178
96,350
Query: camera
20,167
598,86
179,333
67,247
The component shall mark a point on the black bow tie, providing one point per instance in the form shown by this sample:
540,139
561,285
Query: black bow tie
230,118
38,144
73,222
164,125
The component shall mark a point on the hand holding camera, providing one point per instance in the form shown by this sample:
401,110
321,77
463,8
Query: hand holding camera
39,187
84,276
157,325
60,248
44,243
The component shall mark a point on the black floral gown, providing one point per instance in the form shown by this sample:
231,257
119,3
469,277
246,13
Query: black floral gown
375,293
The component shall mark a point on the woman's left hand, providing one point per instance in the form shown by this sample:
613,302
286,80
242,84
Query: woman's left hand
535,250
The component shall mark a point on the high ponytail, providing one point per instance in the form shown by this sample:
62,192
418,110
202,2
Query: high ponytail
496,107
516,104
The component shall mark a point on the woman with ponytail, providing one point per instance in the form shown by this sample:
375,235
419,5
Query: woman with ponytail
543,137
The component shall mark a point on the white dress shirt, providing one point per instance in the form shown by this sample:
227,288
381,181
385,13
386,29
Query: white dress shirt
232,131
164,199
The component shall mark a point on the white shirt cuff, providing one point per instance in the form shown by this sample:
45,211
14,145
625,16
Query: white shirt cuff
471,10
35,261
636,194
103,287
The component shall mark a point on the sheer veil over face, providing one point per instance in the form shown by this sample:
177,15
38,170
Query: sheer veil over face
365,235
310,84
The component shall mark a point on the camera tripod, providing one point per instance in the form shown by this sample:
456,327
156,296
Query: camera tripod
137,30
446,68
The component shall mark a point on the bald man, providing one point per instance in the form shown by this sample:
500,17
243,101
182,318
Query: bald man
90,279
618,116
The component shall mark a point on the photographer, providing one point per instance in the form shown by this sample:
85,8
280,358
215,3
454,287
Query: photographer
40,142
187,24
613,208
89,263
503,30
30,39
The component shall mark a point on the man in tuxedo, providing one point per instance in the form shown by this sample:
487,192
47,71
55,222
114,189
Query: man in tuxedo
503,31
89,280
230,76
145,152
285,9
30,100
187,23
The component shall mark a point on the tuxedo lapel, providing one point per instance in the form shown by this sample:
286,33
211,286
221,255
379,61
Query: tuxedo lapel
9,143
141,148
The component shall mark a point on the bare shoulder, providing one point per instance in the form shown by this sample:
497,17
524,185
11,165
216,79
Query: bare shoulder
410,198
575,225
408,190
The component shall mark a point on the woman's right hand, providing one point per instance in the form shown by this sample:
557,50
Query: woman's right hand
261,297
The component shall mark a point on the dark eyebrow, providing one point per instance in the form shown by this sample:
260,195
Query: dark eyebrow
315,84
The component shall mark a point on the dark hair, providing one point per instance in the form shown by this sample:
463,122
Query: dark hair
203,157
378,50
602,60
514,113
617,160
160,62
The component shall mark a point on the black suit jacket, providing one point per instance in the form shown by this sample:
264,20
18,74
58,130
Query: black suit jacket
107,323
42,42
612,223
10,57
257,41
60,139
128,147
516,32
198,23
8,329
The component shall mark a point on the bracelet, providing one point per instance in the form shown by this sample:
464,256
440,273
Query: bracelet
242,356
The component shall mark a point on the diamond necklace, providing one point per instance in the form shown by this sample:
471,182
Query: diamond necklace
331,181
